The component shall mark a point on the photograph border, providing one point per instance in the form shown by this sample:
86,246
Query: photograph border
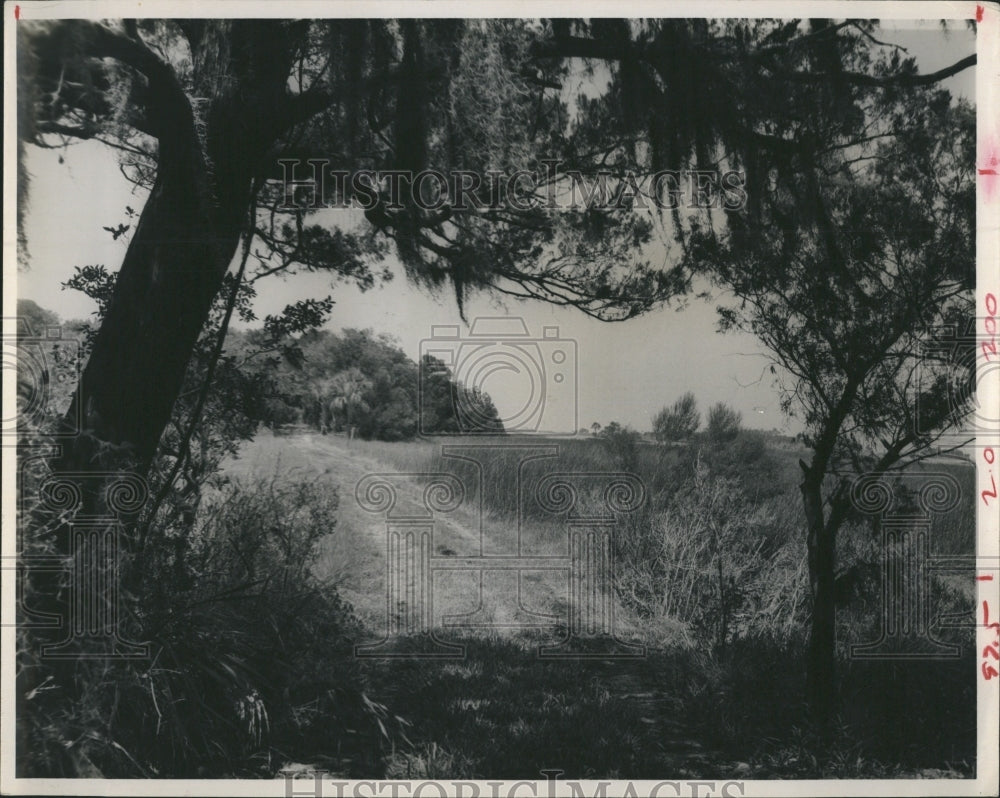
987,776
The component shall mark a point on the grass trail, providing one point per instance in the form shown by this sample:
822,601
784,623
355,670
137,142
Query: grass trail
354,557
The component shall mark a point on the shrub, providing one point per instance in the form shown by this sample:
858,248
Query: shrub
724,423
678,422
717,571
252,657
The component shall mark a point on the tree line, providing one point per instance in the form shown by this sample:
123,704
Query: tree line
361,383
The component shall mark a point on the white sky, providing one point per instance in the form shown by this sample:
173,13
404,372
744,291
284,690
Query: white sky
626,371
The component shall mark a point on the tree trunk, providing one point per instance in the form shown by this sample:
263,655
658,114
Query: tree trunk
821,686
172,270
185,240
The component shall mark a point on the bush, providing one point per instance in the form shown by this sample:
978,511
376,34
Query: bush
724,423
252,657
678,422
721,574
622,444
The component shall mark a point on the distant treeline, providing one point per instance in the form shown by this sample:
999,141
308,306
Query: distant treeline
361,380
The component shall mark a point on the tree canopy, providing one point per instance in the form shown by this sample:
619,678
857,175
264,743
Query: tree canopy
848,297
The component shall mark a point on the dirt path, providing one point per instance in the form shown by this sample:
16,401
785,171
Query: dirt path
355,556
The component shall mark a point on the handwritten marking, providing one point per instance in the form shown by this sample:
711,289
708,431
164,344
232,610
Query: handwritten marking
986,578
989,672
17,12
989,348
979,13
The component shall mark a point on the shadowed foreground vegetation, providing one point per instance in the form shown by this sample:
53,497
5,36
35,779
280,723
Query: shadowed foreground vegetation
502,712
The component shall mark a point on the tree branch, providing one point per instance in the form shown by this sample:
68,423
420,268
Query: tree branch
861,79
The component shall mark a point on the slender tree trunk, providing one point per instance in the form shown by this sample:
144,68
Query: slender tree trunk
821,685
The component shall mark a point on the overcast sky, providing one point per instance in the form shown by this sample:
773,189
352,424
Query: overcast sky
626,371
